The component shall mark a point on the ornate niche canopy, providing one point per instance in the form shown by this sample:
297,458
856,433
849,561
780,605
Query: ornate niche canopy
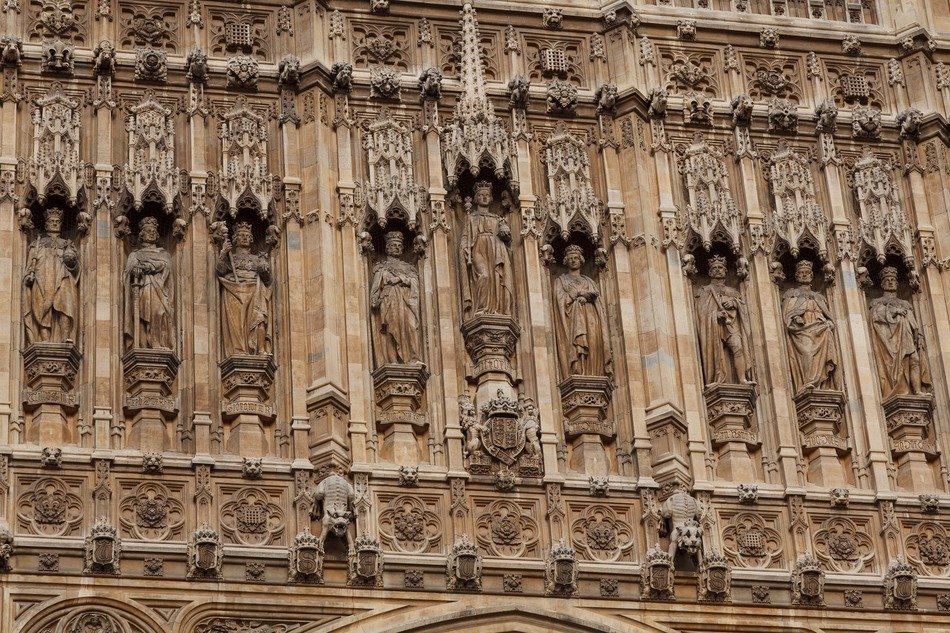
711,214
797,221
245,181
883,225
476,138
150,173
55,167
391,190
571,204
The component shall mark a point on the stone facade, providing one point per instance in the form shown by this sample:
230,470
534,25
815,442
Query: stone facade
379,315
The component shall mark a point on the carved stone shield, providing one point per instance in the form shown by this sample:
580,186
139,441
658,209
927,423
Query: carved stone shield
366,563
717,580
904,587
505,438
466,567
103,551
307,560
811,584
660,577
207,556
564,572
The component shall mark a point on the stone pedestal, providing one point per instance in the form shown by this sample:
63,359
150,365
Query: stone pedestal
48,396
398,390
909,427
729,409
490,340
247,380
819,421
149,376
584,400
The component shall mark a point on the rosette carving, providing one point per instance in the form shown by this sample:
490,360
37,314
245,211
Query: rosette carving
751,541
252,518
50,508
505,529
152,513
409,524
599,534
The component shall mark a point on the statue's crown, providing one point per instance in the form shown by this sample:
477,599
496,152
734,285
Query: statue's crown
483,185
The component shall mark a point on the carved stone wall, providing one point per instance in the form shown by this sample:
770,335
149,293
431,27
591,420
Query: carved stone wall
366,315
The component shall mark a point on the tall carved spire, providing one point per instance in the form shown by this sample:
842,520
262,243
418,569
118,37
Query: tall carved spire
475,138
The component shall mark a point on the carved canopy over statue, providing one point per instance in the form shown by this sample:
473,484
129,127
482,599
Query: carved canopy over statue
812,352
487,286
51,285
580,323
245,279
724,330
898,342
149,292
394,299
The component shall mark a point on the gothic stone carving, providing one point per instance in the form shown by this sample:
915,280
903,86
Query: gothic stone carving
561,571
151,65
686,535
103,549
485,257
244,180
900,586
507,430
463,567
55,166
656,580
205,554
334,497
808,582
306,559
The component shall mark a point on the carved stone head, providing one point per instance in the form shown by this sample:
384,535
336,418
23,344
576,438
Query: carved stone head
804,272
717,267
483,193
148,230
889,279
337,523
690,537
394,243
574,257
53,220
243,236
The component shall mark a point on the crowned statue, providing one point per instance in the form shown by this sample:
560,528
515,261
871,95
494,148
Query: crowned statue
51,285
394,299
724,330
810,329
487,286
898,342
245,279
579,320
149,292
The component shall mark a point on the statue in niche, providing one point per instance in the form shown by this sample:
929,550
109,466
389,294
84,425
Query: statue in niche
394,299
579,321
487,286
149,292
724,330
51,285
898,342
245,280
812,352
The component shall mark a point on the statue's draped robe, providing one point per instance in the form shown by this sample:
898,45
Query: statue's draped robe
156,298
724,329
245,305
895,337
51,303
395,295
812,353
581,329
487,286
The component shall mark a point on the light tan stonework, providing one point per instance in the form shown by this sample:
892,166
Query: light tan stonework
567,403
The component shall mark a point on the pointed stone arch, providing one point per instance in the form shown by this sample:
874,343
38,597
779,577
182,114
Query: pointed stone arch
122,617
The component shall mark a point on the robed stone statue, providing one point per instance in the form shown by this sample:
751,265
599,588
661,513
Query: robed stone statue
245,279
897,341
487,286
725,333
149,292
580,324
51,285
810,329
394,299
